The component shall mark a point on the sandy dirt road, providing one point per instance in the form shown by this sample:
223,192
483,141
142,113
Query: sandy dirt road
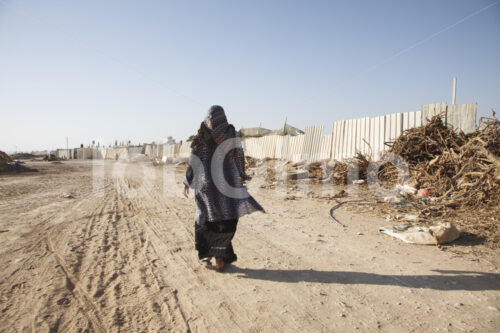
122,259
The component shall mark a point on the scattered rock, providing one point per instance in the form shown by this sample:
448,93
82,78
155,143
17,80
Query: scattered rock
63,301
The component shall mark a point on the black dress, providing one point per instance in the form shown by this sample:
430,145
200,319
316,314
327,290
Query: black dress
213,239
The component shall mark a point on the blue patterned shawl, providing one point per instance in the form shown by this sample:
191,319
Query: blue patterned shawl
216,172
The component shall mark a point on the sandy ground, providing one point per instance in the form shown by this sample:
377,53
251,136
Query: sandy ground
122,259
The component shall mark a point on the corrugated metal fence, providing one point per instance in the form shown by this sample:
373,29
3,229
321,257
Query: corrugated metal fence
366,135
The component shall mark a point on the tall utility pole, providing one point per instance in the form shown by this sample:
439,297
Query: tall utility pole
67,143
454,89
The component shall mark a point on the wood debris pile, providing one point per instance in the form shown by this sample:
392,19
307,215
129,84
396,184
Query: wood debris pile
316,171
461,171
350,169
424,143
250,162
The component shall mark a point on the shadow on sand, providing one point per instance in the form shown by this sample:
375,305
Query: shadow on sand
444,280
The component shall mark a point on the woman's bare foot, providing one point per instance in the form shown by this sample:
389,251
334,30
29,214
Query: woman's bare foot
219,264
206,261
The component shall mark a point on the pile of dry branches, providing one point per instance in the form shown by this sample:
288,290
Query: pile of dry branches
250,162
316,171
461,171
424,143
350,169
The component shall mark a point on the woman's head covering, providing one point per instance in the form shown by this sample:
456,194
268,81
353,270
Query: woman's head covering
216,122
216,117
214,127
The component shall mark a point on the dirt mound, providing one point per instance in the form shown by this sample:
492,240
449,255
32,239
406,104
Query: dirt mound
5,161
7,164
4,158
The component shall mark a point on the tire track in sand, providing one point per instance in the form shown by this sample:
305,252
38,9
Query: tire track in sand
88,306
168,302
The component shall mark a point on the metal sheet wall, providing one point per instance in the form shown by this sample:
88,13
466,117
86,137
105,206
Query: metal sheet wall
430,110
185,150
295,146
312,142
462,117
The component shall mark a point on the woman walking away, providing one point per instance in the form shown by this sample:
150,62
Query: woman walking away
216,172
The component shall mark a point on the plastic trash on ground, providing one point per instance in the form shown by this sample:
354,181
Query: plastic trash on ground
393,198
422,193
443,233
406,189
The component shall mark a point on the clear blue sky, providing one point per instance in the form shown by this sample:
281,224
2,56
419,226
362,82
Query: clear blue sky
144,70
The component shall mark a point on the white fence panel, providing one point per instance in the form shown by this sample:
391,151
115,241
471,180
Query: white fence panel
379,136
338,139
280,147
430,110
271,141
364,136
348,140
185,150
326,147
462,117
295,146
406,120
254,148
418,119
372,141
169,151
312,141
388,128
